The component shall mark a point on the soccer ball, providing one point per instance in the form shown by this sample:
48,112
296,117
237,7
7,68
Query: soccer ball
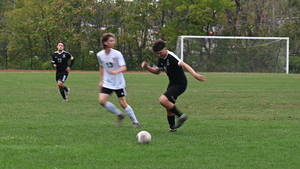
143,137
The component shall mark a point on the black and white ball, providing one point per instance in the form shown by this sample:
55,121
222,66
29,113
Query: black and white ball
143,137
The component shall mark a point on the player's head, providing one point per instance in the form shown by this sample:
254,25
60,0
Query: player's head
60,46
108,40
159,47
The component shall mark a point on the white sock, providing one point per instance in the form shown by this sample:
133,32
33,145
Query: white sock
112,108
131,114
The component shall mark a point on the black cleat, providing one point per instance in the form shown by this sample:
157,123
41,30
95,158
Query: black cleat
172,130
181,120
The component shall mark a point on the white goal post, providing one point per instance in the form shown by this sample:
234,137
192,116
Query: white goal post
235,54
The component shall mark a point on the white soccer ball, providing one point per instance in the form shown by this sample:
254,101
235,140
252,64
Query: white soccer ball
143,137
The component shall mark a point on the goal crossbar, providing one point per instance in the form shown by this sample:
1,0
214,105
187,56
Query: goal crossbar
182,37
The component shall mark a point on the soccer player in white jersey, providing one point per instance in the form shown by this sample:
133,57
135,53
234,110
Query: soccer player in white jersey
112,64
173,66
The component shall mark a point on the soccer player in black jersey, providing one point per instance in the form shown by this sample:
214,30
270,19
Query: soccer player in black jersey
60,60
173,66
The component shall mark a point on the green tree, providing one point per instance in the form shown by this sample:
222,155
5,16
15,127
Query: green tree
5,6
292,25
131,22
37,26
30,30
186,17
23,38
68,22
198,17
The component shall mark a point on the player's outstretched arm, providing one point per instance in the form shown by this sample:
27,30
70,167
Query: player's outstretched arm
153,70
192,71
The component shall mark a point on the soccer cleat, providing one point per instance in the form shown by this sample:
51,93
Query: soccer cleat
68,93
120,120
172,130
136,124
181,120
65,100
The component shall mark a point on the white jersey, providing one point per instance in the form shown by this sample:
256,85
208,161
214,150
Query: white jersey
113,61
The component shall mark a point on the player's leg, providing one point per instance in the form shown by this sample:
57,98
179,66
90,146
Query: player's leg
164,101
171,121
168,100
65,88
60,85
169,105
61,78
103,101
68,92
129,111
122,100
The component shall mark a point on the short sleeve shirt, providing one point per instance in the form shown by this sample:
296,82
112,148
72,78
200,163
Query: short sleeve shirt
113,61
170,64
61,60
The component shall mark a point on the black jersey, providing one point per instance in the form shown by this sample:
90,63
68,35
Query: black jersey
62,60
170,64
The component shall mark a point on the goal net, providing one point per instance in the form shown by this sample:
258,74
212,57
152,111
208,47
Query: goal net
235,54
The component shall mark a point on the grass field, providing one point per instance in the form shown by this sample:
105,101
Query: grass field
235,121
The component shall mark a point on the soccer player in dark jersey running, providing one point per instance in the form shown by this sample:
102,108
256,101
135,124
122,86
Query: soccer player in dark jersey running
60,60
173,66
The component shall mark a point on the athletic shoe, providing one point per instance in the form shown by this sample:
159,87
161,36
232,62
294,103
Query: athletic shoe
172,130
65,100
68,93
136,124
181,120
120,120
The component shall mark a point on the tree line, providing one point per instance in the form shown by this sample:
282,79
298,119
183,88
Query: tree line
30,30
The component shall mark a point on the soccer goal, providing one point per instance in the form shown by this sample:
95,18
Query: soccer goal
235,54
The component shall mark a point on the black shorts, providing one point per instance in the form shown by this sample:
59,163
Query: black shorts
61,76
173,91
119,92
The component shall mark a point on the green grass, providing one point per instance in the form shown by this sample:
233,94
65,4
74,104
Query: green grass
235,121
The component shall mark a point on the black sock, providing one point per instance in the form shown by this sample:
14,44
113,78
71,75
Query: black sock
65,88
175,111
62,92
171,120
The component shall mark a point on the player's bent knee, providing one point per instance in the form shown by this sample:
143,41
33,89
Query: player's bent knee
163,99
60,83
102,102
